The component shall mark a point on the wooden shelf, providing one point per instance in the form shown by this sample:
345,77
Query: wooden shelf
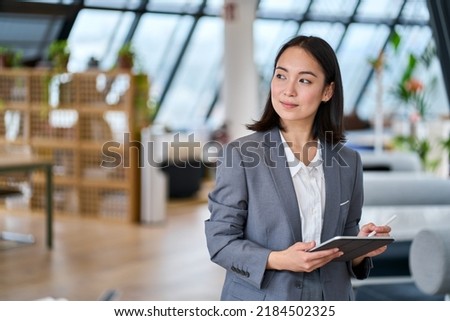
70,125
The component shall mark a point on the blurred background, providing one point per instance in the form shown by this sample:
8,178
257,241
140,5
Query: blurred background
129,102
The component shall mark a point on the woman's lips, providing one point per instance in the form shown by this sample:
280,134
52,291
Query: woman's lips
288,105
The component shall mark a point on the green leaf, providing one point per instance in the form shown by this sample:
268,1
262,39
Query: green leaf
412,62
428,54
395,40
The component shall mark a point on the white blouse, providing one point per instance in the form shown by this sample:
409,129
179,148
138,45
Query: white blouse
309,185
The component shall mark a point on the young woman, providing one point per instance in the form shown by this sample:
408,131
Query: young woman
289,186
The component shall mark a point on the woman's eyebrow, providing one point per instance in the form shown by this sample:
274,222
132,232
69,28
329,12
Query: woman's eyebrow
306,72
282,68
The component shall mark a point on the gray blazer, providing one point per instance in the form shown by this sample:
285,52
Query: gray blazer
254,211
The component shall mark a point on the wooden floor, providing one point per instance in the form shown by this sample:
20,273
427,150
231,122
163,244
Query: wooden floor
164,262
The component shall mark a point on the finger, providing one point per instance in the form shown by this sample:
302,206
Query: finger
369,227
377,251
330,258
326,254
304,246
383,230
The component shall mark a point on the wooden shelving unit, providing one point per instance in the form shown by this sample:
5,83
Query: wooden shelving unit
78,120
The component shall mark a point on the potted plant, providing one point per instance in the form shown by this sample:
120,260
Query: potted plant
145,105
9,58
126,56
58,54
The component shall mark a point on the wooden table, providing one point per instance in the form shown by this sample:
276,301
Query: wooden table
11,164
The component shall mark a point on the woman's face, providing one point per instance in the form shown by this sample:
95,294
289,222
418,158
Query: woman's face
298,87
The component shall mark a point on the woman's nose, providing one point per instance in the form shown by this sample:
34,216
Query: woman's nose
290,90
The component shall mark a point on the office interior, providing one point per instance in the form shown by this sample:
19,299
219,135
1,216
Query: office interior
132,146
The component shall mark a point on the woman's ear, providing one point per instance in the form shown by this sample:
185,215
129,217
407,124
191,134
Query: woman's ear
328,92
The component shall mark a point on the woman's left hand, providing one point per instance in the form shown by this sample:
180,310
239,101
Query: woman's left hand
381,231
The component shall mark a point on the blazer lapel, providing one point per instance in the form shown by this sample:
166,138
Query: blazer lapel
331,169
277,163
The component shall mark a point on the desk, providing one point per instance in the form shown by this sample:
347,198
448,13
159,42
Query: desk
29,164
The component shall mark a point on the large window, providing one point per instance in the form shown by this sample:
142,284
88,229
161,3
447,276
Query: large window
158,51
196,81
179,44
97,34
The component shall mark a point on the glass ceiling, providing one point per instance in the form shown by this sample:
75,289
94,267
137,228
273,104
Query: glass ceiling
179,44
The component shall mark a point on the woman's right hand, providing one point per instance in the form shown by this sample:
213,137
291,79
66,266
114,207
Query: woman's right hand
296,258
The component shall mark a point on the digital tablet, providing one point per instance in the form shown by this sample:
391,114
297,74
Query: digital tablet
353,246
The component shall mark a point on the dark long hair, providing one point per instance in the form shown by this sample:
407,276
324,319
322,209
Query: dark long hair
328,122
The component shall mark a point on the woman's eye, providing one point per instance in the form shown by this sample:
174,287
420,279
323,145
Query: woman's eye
304,81
280,76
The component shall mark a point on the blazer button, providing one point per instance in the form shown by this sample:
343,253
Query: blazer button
233,269
299,284
246,273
